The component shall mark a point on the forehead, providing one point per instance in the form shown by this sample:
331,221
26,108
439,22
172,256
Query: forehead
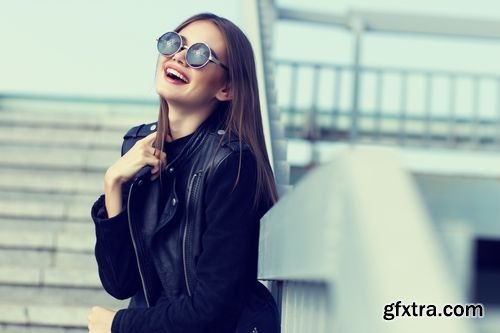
206,32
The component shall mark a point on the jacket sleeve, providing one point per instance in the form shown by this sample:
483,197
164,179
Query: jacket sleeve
227,266
114,252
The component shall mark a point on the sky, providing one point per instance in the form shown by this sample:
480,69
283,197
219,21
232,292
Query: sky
91,47
107,48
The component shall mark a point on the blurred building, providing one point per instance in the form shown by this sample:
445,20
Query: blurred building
400,178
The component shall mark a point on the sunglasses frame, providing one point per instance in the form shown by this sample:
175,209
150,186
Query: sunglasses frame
182,46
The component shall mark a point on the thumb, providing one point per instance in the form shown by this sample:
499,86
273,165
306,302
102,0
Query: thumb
150,138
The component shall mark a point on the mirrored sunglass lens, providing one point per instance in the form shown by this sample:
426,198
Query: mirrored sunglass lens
198,55
169,43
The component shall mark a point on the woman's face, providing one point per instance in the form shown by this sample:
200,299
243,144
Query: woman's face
200,87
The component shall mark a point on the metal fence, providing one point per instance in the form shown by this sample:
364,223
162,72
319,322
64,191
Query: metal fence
389,105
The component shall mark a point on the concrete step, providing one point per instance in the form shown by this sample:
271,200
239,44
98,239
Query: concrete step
83,118
51,206
49,277
62,137
47,240
49,317
47,306
44,259
66,307
8,328
15,224
52,161
52,158
49,181
45,196
53,296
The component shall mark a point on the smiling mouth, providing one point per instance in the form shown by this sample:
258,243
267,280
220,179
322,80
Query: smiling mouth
175,75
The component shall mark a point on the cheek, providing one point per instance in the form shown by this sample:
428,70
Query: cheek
215,81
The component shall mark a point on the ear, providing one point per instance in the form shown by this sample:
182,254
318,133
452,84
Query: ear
224,94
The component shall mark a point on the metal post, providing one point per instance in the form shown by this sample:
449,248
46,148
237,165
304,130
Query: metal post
475,135
378,106
497,125
452,108
336,103
403,108
255,34
312,121
428,111
357,27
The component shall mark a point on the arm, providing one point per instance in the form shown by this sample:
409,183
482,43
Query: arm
114,251
226,269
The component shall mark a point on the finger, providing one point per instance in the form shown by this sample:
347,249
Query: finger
154,164
161,157
155,173
158,166
150,138
149,152
151,161
155,176
158,153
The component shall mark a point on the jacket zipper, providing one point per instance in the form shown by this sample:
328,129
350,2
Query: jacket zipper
135,247
184,237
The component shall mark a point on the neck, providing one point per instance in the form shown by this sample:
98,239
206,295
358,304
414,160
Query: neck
183,123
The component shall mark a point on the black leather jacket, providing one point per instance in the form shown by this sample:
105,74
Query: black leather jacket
203,246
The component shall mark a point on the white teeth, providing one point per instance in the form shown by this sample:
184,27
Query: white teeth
172,71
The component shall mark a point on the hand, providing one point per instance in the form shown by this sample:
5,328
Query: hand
140,155
100,320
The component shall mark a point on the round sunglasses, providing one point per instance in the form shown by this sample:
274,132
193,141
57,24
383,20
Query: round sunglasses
198,55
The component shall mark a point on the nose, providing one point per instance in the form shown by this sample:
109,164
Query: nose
180,57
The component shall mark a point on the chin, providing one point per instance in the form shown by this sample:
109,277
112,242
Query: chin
163,92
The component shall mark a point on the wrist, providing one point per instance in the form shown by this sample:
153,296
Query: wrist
112,182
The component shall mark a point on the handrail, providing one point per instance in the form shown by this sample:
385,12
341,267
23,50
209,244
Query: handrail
399,22
355,250
389,98
387,69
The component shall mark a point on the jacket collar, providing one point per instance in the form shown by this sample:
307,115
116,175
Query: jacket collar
213,123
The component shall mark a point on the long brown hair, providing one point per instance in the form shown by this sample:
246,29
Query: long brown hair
242,115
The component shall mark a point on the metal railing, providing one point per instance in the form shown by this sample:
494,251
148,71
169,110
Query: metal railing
394,105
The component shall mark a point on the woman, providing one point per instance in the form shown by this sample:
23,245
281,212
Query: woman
177,227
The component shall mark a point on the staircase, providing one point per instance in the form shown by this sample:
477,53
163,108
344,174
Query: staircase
53,155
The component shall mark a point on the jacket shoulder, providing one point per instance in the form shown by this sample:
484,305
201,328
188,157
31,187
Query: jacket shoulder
136,133
228,145
141,131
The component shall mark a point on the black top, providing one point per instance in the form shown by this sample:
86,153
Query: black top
173,148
